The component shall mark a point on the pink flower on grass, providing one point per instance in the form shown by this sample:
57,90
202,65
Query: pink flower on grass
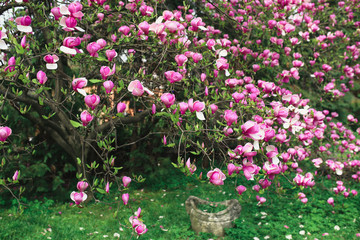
5,132
173,77
331,201
190,166
126,181
125,198
78,197
92,101
86,118
216,176
240,189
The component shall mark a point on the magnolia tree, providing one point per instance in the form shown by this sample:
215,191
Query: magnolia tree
233,79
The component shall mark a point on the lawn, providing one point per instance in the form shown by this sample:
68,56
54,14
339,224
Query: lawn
163,211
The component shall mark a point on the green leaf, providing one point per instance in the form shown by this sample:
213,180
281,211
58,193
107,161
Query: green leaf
95,80
170,145
102,191
75,124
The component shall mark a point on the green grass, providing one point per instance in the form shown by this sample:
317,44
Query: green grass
164,214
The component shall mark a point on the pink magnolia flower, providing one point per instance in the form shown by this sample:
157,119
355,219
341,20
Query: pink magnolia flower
137,89
231,168
126,181
51,61
3,45
69,45
16,175
213,108
108,85
168,99
216,177
124,30
153,108
92,101
106,72
23,42
79,83
81,186
78,197
125,198
181,59
107,187
183,107
41,77
23,24
173,76
331,201
121,107
250,169
144,27
141,229
240,189
5,132
230,117
197,57
190,166
101,42
93,48
111,54
86,118
56,12
11,65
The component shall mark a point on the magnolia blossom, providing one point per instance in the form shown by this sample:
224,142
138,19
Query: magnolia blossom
111,54
51,61
15,176
121,107
86,118
41,77
230,117
92,101
23,24
126,181
240,189
125,198
173,77
69,45
190,166
81,186
11,65
79,83
78,197
198,107
216,176
5,132
137,89
3,45
108,85
168,99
